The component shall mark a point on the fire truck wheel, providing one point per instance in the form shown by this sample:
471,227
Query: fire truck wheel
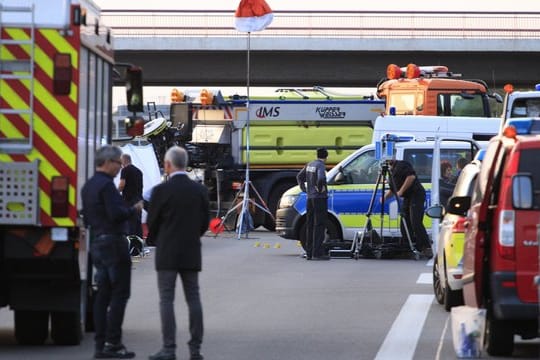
31,327
273,202
66,328
499,337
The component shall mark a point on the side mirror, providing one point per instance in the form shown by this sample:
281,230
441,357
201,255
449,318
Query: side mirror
435,211
134,89
498,98
458,205
522,191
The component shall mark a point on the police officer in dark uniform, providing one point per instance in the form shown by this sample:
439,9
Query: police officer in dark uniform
314,174
411,190
106,214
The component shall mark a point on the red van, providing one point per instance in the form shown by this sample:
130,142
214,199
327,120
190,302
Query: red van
500,257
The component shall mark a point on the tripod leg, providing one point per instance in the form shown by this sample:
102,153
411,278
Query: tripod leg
356,246
404,221
263,207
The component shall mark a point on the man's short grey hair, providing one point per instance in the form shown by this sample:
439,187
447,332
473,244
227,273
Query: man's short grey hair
178,157
107,152
126,158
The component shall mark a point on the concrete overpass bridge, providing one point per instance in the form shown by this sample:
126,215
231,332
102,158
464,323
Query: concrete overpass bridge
327,48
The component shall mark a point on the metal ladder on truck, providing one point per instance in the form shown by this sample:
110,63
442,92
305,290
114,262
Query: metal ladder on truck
13,70
17,62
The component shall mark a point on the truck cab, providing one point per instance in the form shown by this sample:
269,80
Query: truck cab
501,246
433,90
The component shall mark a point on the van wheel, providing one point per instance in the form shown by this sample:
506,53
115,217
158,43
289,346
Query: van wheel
437,289
499,337
333,233
66,328
273,203
31,327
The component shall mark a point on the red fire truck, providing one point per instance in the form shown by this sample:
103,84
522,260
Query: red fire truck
56,76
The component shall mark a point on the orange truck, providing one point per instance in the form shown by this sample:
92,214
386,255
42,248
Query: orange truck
435,91
56,78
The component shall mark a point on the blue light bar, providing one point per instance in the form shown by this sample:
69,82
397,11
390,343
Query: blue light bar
523,126
397,138
537,87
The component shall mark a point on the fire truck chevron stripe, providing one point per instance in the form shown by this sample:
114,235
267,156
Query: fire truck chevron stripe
65,110
43,132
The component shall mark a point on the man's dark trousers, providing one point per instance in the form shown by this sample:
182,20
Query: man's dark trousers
413,213
316,226
110,255
190,284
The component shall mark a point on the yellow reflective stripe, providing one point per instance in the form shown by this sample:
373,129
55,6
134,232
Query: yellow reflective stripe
352,187
56,108
45,168
63,46
46,204
454,249
41,128
359,220
9,130
48,100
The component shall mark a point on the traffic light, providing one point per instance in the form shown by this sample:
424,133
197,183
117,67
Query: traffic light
134,89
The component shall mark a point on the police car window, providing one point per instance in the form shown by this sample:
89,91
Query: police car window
526,107
362,170
421,160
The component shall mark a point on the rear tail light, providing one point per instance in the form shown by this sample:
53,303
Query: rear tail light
62,74
459,225
507,241
236,185
59,196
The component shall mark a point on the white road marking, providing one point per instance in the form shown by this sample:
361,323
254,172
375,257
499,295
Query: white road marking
441,340
401,340
425,278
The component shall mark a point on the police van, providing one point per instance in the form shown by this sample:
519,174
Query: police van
353,189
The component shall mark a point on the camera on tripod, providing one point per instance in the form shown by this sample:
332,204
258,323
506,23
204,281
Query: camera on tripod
372,242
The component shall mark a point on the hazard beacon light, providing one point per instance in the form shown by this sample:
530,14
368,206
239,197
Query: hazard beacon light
176,96
413,71
393,72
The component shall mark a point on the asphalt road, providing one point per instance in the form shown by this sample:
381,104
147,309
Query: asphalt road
263,301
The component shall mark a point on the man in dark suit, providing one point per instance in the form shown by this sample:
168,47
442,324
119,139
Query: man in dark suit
177,217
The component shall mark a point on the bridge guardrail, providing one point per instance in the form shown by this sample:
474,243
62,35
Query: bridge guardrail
330,24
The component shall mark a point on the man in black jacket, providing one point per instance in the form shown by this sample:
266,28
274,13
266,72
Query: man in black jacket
106,214
314,175
177,218
408,187
131,187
